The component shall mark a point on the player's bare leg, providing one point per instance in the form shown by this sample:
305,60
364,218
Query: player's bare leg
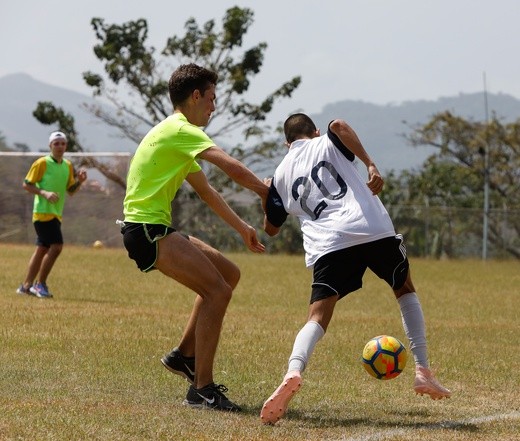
231,274
183,261
34,265
48,261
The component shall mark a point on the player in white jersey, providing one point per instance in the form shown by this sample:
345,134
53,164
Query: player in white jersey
346,229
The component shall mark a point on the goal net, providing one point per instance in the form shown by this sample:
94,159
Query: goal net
89,215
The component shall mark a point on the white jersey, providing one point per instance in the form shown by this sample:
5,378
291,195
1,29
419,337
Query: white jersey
318,182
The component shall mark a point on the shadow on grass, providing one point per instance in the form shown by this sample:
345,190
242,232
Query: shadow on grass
392,423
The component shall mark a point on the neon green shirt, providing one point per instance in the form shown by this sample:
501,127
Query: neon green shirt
48,174
164,158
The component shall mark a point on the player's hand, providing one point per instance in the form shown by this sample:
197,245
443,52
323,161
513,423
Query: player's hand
249,236
375,181
82,175
50,196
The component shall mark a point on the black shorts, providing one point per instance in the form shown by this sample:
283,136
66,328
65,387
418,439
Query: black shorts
140,241
48,232
341,272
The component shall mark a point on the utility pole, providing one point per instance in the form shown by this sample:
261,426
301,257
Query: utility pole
486,180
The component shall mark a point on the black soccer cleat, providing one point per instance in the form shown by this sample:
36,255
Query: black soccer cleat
210,397
179,364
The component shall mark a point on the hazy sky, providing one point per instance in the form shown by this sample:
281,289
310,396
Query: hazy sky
379,51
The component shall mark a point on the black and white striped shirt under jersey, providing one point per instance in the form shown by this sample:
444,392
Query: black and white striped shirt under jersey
318,182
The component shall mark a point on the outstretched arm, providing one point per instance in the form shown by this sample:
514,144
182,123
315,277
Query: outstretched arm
217,203
237,171
349,138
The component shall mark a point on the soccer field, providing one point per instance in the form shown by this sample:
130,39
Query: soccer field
85,365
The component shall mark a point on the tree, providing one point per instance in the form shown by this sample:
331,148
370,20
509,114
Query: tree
3,144
18,146
129,62
47,113
454,176
130,65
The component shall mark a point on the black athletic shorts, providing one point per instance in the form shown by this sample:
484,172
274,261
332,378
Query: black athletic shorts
48,232
140,241
341,272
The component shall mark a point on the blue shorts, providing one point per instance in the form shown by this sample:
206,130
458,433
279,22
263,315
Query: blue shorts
140,241
341,272
48,233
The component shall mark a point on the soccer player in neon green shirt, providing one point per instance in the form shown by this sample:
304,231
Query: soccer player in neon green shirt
50,178
165,158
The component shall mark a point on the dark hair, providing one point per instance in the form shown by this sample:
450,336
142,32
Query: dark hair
187,78
298,126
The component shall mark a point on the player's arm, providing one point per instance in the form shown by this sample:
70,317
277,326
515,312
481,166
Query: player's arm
217,203
35,175
269,228
237,171
80,178
350,139
33,189
275,214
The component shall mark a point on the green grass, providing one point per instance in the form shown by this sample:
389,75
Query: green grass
85,365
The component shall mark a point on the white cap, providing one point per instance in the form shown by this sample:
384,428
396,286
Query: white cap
57,135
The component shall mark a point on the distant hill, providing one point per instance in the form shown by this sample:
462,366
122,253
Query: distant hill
19,95
380,127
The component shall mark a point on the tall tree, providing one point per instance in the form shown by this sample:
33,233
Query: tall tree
130,65
455,175
47,113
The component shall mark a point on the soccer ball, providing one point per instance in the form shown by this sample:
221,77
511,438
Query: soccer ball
384,357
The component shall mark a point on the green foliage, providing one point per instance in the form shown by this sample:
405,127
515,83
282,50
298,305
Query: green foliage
47,113
440,206
464,143
129,62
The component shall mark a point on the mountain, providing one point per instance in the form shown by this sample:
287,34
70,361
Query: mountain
381,128
19,95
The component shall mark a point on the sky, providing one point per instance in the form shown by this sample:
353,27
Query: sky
377,51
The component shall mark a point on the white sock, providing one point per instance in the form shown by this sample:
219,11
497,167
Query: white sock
414,327
304,345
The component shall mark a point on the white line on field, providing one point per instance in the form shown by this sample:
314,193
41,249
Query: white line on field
442,425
